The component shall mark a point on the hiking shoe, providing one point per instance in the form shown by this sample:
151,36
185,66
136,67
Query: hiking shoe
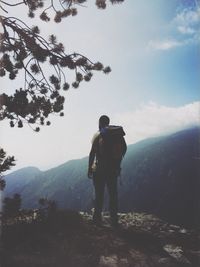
97,220
114,223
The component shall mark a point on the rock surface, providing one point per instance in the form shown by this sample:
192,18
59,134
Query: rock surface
141,240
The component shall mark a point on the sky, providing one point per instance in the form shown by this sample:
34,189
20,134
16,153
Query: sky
152,48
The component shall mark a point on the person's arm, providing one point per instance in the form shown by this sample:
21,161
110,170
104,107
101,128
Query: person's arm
91,160
124,147
92,156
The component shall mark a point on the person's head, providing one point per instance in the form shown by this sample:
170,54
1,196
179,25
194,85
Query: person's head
103,121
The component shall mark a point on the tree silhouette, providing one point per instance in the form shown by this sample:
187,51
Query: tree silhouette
12,205
25,50
6,162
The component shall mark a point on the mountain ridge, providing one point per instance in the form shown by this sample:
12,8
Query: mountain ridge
160,176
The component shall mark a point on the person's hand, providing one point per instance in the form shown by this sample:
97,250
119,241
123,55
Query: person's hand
90,174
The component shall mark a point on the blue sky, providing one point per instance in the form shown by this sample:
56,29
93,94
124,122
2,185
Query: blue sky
153,50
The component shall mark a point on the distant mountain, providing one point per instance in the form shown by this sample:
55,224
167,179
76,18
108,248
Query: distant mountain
18,180
160,175
67,184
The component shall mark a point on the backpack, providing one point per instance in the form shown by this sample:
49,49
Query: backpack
112,146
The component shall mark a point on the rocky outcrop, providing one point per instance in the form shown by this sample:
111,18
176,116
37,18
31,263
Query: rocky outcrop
141,240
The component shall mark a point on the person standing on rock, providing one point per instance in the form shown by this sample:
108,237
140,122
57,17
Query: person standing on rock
108,149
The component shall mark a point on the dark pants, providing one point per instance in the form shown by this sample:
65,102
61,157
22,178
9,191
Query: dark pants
101,180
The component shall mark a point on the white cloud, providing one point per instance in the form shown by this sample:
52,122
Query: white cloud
188,17
154,120
184,29
164,45
188,21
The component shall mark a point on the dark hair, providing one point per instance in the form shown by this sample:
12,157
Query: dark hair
104,121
